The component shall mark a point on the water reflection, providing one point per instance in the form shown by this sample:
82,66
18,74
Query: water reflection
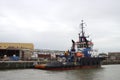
81,74
85,74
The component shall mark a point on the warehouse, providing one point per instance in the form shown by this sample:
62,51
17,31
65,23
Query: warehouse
21,50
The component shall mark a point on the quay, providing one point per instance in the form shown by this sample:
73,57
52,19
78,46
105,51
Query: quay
110,62
17,64
30,64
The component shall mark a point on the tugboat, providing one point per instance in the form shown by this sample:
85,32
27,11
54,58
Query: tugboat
78,57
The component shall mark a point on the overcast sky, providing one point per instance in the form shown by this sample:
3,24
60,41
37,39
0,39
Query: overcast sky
51,24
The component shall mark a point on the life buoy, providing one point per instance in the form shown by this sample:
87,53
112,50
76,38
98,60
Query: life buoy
79,54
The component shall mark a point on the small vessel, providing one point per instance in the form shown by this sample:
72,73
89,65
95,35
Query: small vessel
78,57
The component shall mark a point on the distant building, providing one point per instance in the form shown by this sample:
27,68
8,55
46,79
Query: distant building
103,55
46,51
114,55
47,54
21,50
44,56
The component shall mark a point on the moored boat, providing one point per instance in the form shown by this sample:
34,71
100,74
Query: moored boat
79,56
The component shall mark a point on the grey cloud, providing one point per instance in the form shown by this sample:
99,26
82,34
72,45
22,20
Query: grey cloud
53,23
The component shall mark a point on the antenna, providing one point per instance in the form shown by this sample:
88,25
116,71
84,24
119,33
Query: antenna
82,26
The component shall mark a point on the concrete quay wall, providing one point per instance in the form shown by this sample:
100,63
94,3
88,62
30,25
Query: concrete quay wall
108,62
16,64
30,64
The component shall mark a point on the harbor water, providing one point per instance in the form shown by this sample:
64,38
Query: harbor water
106,72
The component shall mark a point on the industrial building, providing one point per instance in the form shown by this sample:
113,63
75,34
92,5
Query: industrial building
21,50
114,55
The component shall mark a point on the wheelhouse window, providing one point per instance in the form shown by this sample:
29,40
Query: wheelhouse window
81,45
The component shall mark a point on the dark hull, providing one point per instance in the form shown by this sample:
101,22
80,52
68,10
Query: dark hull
67,68
80,64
